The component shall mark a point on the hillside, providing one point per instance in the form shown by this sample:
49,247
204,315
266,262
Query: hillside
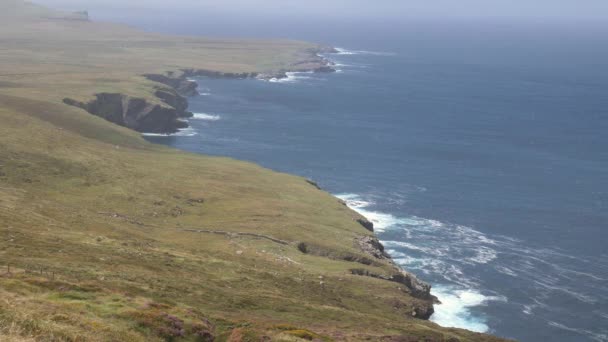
106,237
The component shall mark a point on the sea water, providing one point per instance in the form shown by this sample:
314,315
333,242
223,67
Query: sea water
480,153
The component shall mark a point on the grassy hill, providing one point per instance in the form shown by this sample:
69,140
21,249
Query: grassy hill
105,237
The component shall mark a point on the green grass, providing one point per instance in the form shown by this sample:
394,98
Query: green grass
93,219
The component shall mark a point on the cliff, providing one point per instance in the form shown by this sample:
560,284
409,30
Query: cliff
142,116
137,113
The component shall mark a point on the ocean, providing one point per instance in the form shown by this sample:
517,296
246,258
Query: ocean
479,150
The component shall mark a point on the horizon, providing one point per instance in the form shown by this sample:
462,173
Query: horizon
539,10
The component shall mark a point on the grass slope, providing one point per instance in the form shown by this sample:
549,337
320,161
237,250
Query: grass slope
95,240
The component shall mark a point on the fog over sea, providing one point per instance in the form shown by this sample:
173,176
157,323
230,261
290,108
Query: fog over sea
479,150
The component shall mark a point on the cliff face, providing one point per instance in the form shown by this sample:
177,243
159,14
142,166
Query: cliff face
181,85
142,116
412,285
135,113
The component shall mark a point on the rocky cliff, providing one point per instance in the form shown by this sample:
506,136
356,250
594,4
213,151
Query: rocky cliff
135,113
412,285
143,116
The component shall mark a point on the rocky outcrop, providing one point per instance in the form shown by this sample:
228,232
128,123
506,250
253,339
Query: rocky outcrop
326,49
135,113
181,85
313,183
367,224
415,287
371,246
174,100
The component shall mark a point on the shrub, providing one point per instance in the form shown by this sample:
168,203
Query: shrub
301,333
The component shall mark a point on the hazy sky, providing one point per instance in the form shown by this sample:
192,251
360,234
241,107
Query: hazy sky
543,9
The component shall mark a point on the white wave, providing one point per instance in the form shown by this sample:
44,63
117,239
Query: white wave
528,309
291,77
455,308
204,94
506,270
382,221
205,116
451,254
600,337
185,132
342,51
484,255
437,249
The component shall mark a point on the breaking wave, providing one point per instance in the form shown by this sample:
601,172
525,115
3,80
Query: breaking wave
291,77
185,132
205,116
459,260
433,259
342,51
455,308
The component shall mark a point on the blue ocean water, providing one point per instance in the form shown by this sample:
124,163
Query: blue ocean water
480,152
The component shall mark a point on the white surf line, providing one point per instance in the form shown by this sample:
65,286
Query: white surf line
205,116
457,301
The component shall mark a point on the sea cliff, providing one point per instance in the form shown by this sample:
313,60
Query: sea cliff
173,89
107,237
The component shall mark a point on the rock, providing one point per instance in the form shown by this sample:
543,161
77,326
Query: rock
327,49
303,247
424,311
177,211
366,224
135,113
313,183
181,85
194,201
371,246
174,100
325,68
416,287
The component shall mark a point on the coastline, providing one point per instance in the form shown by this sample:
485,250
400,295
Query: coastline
149,118
186,87
125,233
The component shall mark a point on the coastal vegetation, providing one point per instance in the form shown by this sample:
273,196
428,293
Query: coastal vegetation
106,237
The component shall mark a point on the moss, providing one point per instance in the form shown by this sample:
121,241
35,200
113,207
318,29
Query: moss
74,295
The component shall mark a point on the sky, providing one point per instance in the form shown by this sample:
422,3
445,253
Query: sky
577,10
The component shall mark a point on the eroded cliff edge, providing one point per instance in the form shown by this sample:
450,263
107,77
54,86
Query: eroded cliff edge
168,116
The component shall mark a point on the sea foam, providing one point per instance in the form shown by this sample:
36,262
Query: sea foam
342,51
430,249
205,116
185,132
455,308
291,77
